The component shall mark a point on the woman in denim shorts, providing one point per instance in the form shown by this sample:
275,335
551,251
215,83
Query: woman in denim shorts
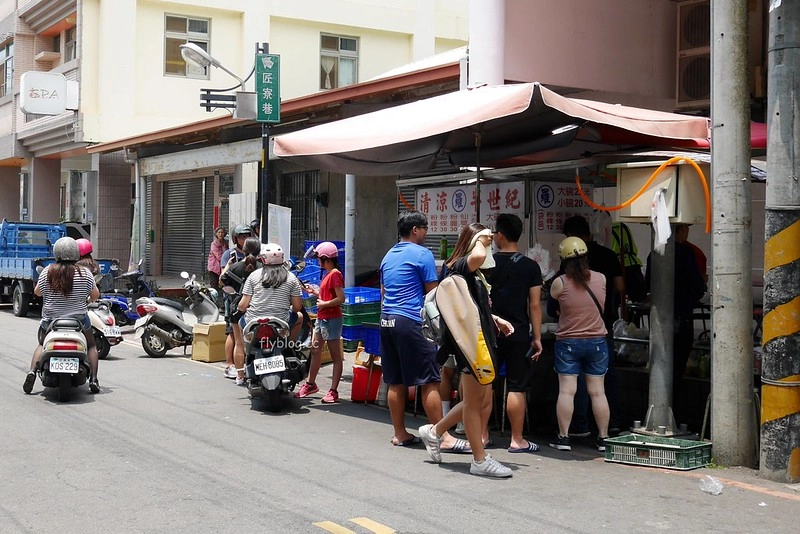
328,326
580,340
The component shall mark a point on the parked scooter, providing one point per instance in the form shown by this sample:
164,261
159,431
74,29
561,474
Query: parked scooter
64,364
122,300
274,364
165,324
106,332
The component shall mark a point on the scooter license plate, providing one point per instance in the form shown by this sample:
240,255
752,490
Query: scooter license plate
64,365
111,331
269,365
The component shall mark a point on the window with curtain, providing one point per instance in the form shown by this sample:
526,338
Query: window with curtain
70,44
338,61
7,68
180,30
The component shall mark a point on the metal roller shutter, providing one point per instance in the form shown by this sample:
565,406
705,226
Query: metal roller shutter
186,217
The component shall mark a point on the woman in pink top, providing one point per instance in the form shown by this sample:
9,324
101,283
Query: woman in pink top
218,247
580,340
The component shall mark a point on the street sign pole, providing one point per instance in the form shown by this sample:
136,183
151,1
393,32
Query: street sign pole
268,102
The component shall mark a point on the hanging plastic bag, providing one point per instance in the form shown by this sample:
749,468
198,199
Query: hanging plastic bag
660,220
541,256
600,225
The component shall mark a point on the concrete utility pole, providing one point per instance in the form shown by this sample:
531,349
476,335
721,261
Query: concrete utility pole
733,414
662,318
780,373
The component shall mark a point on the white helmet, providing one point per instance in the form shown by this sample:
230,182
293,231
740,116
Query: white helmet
272,254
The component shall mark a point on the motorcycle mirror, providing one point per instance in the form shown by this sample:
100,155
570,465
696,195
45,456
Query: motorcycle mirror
309,253
185,275
39,269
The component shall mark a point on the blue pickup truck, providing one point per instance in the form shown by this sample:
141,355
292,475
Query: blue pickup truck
24,247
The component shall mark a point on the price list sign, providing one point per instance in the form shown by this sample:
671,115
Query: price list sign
555,202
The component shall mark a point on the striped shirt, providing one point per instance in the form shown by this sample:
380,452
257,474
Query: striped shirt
55,305
272,301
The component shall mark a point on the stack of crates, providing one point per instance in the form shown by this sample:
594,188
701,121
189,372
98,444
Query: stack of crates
361,305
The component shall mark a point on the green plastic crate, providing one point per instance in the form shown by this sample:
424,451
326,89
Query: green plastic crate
655,451
361,318
361,309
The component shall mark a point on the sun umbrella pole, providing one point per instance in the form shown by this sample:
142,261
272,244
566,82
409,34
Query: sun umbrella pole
478,177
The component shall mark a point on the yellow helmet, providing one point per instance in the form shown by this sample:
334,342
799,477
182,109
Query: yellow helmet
572,247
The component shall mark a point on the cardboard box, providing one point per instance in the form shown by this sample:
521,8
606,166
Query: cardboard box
208,344
325,354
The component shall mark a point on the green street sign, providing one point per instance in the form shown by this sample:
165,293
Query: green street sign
268,87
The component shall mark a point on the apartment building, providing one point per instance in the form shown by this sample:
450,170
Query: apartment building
124,59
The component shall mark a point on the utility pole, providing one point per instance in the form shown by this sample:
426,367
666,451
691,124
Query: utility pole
780,379
733,413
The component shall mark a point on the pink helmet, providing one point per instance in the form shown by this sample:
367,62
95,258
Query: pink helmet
326,249
272,254
84,246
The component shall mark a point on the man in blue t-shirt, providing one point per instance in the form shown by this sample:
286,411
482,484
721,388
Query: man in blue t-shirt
408,272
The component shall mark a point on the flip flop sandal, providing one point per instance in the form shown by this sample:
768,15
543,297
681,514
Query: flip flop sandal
460,446
532,447
410,442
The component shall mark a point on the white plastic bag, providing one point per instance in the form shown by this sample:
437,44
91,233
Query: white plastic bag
660,220
541,255
711,485
601,227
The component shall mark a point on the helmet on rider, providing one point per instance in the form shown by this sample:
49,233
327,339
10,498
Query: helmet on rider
66,249
242,230
326,249
255,224
572,247
272,254
84,246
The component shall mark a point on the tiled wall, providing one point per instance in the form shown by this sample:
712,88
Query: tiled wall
113,224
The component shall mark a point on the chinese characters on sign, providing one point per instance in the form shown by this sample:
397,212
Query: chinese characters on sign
450,208
268,87
555,202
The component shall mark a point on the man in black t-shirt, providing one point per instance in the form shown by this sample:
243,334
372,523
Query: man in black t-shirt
516,282
603,260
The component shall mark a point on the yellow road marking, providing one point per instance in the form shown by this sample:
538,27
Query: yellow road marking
330,526
373,526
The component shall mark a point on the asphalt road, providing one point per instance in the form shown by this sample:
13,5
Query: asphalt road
170,445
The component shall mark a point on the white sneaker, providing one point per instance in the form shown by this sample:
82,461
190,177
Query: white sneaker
432,442
239,381
230,372
490,467
460,429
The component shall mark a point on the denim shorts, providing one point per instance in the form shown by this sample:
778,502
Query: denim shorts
575,356
329,329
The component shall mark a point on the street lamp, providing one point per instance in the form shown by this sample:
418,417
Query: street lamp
192,53
267,99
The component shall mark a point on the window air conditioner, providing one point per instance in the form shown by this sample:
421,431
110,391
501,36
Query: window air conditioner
693,62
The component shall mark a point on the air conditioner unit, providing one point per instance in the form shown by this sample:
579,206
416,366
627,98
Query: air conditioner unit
693,62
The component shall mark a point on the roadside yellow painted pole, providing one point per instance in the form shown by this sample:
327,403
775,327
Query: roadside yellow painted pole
780,375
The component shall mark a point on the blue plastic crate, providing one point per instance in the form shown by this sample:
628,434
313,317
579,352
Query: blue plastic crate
361,295
372,338
310,275
353,333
